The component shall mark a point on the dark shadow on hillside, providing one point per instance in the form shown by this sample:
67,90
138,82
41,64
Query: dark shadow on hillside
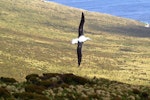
136,31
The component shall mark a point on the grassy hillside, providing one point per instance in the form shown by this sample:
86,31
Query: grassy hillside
35,37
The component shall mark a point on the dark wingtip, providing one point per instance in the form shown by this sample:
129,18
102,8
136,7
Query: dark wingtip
78,64
82,18
82,14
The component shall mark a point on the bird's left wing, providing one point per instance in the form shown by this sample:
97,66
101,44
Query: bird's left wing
79,52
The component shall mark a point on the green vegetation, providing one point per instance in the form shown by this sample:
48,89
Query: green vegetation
71,87
35,37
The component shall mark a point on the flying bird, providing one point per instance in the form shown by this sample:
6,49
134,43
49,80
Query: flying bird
80,40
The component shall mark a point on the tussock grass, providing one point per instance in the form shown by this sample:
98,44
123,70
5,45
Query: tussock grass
35,37
52,86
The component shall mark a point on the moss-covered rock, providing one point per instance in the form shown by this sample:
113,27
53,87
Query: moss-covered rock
52,80
49,75
136,91
33,78
31,75
73,79
34,88
8,80
48,84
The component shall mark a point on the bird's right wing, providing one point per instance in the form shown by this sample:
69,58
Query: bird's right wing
80,30
79,52
74,41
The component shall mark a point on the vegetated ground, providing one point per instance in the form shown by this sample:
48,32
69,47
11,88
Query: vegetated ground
55,86
35,37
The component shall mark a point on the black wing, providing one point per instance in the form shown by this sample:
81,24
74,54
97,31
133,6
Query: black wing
80,30
79,52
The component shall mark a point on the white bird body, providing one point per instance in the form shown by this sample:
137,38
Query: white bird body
82,38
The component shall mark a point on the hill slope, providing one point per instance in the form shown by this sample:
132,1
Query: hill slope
35,38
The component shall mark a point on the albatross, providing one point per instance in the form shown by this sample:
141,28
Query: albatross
80,40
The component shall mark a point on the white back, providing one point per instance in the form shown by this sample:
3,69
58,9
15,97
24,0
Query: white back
82,38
